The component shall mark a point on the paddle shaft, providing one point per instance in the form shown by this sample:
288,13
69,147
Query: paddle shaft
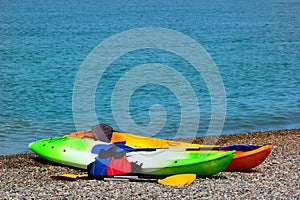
130,179
237,147
185,149
86,176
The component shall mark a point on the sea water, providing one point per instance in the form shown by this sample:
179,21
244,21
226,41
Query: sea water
254,44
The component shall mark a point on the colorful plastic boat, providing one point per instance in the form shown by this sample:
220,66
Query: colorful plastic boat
81,153
245,158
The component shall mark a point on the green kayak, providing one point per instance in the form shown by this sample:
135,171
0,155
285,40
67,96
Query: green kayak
117,159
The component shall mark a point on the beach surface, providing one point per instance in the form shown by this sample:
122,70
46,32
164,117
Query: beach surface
26,176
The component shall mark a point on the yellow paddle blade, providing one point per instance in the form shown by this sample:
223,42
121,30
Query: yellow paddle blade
191,178
69,176
177,180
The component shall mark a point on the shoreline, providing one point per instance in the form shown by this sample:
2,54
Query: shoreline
224,139
27,176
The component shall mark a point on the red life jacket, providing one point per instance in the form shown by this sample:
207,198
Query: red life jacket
118,166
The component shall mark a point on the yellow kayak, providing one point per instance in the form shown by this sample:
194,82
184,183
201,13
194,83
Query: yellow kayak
137,141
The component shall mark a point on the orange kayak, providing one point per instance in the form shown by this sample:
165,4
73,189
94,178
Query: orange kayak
243,160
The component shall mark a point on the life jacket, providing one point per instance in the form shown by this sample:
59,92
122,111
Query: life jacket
111,160
118,166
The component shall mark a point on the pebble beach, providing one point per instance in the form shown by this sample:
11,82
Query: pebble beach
26,176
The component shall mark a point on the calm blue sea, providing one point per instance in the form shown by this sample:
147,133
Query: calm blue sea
255,45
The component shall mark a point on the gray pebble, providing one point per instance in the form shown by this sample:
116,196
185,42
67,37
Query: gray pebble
26,176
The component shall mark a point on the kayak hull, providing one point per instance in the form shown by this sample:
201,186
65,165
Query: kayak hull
207,168
78,153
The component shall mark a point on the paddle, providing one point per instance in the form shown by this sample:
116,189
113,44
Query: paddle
104,133
174,180
238,147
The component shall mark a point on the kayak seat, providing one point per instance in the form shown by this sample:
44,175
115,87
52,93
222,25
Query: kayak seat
102,133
